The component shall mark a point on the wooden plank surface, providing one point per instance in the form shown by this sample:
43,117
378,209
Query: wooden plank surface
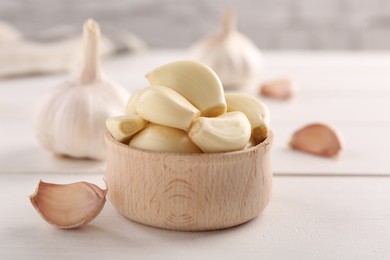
308,218
348,90
320,209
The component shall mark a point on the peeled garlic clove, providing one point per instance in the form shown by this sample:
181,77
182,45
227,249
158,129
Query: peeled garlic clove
318,139
70,119
251,143
164,139
194,81
225,133
255,110
131,107
233,56
68,205
282,88
164,106
122,128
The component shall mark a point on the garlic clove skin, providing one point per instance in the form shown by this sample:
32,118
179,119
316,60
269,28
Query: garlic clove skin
225,133
233,56
281,88
318,139
255,110
68,206
164,106
164,139
195,82
70,119
122,128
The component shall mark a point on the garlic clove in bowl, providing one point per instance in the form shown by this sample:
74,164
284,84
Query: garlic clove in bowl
122,128
194,81
164,106
255,110
233,56
225,133
164,139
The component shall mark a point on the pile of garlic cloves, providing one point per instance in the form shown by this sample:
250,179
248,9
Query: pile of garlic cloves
185,110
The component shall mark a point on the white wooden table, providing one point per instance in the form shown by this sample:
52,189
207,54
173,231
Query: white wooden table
321,208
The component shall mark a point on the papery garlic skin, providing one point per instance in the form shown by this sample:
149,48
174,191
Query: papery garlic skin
233,56
68,205
318,139
279,88
70,119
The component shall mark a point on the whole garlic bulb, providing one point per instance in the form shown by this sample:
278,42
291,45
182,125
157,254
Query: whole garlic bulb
70,119
233,56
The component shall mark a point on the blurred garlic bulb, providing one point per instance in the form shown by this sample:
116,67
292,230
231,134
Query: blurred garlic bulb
233,56
70,120
8,33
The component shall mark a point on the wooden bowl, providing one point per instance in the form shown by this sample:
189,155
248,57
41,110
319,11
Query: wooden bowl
191,192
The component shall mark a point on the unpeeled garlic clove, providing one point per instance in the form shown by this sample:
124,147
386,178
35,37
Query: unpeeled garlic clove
122,128
255,110
195,82
282,88
228,132
68,205
164,106
318,139
164,139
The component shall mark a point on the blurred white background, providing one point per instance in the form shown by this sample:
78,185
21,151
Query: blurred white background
272,24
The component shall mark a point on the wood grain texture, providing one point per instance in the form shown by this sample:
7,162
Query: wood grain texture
191,192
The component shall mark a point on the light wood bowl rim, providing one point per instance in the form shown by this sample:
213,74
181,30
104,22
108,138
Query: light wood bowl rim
266,145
